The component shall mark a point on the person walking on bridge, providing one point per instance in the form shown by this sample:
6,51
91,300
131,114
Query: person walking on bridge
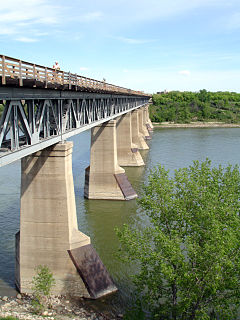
56,66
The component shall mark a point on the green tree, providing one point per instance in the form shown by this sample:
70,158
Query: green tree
203,95
188,255
191,106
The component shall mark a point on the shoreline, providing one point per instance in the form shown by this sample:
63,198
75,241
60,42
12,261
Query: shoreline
196,125
60,308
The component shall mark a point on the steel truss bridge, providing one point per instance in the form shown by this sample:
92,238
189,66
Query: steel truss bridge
39,111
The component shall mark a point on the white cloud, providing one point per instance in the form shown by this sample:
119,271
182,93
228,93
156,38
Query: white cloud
19,18
83,69
26,39
41,34
153,80
78,36
91,16
7,30
29,12
233,21
143,10
185,73
133,41
35,18
227,57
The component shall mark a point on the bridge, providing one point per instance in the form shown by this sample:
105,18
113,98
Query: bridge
41,108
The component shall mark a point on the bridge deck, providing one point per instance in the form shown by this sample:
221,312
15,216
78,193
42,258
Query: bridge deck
18,73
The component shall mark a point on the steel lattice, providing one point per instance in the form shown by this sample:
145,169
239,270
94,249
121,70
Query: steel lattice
29,125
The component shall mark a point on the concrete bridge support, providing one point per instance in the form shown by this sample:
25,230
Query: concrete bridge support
149,122
127,153
105,179
137,137
49,232
142,124
48,220
145,121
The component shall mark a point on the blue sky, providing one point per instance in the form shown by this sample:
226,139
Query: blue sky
148,45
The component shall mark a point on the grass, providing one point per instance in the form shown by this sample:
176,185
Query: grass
8,318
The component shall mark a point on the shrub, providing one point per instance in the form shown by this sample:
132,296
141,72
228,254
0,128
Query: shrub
42,285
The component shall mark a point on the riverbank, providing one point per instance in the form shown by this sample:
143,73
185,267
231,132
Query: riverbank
61,309
196,125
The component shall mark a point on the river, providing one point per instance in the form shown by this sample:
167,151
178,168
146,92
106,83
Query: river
173,148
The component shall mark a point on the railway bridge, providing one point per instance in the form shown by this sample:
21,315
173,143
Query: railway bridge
41,108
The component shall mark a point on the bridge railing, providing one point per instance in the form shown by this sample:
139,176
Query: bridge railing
18,72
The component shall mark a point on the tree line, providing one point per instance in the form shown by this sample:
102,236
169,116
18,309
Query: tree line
185,107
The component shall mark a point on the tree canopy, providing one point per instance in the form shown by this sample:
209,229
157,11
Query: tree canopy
189,254
184,107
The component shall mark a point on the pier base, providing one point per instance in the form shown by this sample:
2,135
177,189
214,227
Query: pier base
48,222
105,179
127,153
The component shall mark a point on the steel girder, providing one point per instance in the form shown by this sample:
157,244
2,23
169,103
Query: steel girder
29,124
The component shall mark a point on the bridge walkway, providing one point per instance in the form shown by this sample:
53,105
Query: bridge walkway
19,73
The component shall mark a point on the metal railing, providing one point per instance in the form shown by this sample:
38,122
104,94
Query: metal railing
21,73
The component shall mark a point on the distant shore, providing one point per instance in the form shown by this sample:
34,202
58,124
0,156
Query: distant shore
196,125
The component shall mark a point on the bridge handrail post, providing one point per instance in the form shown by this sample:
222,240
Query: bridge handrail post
20,74
34,71
45,77
69,80
3,70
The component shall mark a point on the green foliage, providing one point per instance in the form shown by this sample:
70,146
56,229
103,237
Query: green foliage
9,318
184,107
1,108
42,285
188,255
135,313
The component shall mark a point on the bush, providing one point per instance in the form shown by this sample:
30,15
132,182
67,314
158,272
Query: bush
42,284
188,255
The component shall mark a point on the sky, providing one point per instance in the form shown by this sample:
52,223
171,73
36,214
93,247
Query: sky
148,45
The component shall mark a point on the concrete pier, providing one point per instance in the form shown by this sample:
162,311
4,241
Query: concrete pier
49,232
145,121
127,152
142,124
48,220
137,137
149,122
105,179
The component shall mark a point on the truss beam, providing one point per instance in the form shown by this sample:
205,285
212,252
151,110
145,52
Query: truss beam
29,123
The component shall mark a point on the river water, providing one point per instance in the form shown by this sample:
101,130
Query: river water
173,148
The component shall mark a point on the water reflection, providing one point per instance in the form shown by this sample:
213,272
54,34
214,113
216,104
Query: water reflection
9,224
